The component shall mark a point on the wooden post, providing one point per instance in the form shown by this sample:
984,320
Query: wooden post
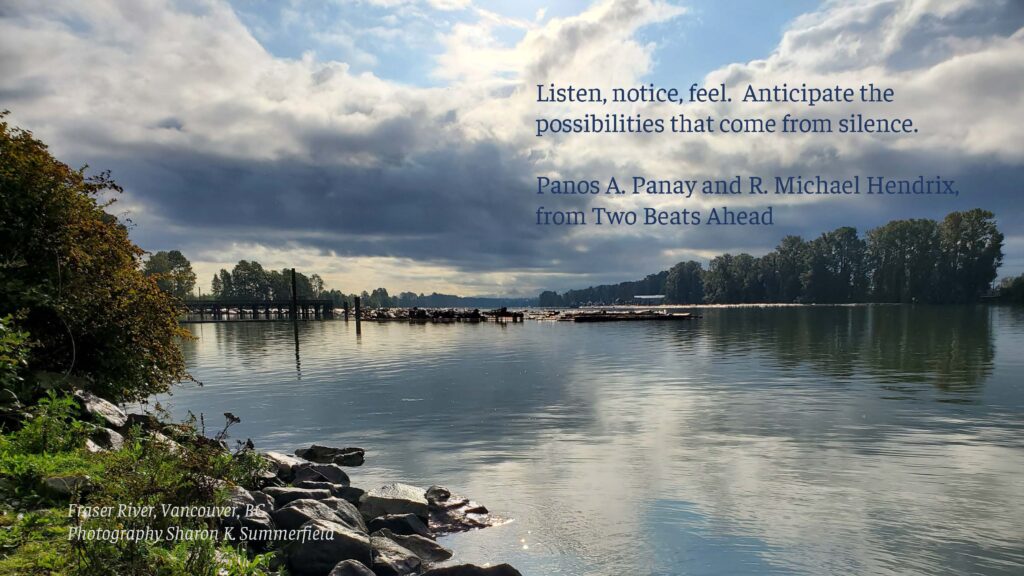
295,297
358,315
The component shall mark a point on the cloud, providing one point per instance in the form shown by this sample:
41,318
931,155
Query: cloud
221,144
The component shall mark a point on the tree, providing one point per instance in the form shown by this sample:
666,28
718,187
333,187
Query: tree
172,271
226,283
685,283
836,270
250,280
72,278
550,299
972,251
903,258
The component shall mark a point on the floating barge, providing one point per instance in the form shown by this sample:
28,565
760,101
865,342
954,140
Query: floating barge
645,316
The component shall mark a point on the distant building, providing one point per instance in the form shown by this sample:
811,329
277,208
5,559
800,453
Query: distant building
649,299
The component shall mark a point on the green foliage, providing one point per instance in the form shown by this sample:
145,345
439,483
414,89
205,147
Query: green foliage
13,355
51,427
1012,290
172,272
72,276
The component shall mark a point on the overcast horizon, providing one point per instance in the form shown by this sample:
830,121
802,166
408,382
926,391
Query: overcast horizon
390,142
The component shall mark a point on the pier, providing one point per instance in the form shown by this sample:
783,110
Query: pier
219,310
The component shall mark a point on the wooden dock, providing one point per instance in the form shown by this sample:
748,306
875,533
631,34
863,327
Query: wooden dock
219,310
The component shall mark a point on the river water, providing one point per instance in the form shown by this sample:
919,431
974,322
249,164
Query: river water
777,440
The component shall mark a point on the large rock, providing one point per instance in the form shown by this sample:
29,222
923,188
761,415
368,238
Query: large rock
66,486
400,524
451,513
351,568
335,543
310,472
473,570
263,500
298,512
95,406
107,439
255,520
284,464
390,559
329,455
285,494
394,499
347,511
425,548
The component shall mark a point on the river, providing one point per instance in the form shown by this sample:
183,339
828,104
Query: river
772,440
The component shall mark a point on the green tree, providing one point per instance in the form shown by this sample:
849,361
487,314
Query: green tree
172,271
972,251
72,277
223,285
685,283
250,280
836,270
903,259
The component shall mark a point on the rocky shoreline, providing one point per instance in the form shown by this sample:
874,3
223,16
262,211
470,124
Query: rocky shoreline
333,528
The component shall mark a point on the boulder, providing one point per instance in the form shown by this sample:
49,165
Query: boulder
254,520
144,421
473,570
66,486
161,439
390,559
285,494
394,499
451,513
335,543
321,473
347,511
263,500
425,548
239,497
351,568
329,455
350,493
97,407
436,495
107,439
400,524
297,512
284,464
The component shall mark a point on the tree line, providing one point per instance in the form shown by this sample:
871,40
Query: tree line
954,260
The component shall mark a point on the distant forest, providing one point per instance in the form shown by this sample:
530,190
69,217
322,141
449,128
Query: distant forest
249,280
905,261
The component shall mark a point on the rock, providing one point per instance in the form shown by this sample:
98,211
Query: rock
351,568
391,559
254,520
473,570
66,486
263,500
394,499
347,511
350,493
457,514
239,497
285,494
399,524
171,446
436,495
144,421
298,512
321,473
425,548
93,448
95,406
107,439
284,464
319,554
329,455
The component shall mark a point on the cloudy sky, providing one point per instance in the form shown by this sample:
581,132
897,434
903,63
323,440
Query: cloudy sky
390,142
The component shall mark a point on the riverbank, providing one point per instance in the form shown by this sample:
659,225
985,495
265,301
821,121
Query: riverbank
89,489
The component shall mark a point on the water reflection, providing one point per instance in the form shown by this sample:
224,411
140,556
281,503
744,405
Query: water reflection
755,441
